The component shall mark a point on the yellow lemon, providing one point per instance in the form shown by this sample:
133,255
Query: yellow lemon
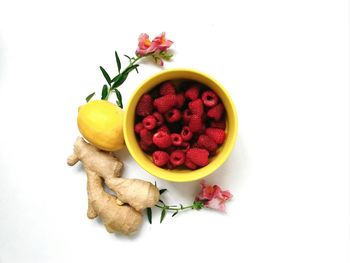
101,123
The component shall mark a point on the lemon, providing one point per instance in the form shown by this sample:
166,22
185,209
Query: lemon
101,123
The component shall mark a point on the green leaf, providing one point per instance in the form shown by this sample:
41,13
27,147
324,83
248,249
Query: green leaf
119,97
116,78
131,68
182,207
165,55
149,215
161,201
174,214
105,74
163,214
88,98
197,205
119,65
162,191
120,80
104,92
127,57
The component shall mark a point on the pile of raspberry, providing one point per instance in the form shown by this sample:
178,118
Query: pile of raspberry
180,126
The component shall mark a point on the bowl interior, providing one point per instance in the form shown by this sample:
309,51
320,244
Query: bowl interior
180,175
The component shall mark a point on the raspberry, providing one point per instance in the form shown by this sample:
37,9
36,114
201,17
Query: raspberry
144,106
167,88
138,127
165,103
195,123
196,107
190,164
204,141
192,92
159,118
217,135
149,122
216,112
198,156
173,115
180,100
218,124
160,158
146,137
186,116
163,128
209,98
162,139
176,139
144,147
186,134
170,166
184,146
177,158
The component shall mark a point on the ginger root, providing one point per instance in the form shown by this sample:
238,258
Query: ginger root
121,213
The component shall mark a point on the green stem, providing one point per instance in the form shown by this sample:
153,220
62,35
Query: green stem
174,207
132,62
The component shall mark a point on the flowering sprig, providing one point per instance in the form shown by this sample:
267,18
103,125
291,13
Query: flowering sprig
210,196
157,49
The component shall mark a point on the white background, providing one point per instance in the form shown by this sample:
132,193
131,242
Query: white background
285,64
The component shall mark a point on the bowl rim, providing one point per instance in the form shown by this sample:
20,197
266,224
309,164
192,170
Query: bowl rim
164,173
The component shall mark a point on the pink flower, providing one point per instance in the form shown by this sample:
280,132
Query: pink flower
213,197
161,43
144,45
158,44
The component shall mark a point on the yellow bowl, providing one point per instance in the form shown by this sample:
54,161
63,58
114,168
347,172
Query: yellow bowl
180,175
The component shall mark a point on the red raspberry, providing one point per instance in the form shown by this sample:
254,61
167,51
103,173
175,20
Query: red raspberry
198,156
170,166
162,139
192,92
160,158
216,112
176,139
217,135
186,134
196,107
186,116
180,100
159,118
196,123
167,88
144,147
218,124
177,158
190,164
209,98
163,128
204,141
146,137
149,122
173,115
165,103
145,105
184,146
138,127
